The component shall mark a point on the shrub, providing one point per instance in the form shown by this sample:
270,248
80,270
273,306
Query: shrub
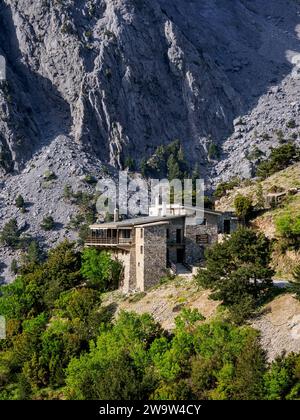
48,223
90,179
10,234
20,203
68,192
265,136
49,175
255,154
288,227
66,28
130,164
291,124
243,206
280,136
213,151
280,158
295,283
223,187
14,267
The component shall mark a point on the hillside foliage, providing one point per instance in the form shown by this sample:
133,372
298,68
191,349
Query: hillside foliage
63,344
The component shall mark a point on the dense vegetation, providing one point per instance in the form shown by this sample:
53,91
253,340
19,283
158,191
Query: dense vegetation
167,161
238,272
62,344
280,158
288,229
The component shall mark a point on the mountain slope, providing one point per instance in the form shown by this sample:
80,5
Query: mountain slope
124,76
284,261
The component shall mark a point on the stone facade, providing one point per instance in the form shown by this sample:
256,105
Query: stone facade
155,255
148,246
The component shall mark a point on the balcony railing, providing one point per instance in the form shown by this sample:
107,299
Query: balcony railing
108,241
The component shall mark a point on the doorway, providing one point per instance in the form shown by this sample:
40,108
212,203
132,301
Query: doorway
180,256
227,227
178,236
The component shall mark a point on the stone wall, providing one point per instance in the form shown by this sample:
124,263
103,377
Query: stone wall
140,266
172,246
234,223
124,257
194,252
155,255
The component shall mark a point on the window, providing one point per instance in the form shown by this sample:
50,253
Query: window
142,233
178,236
168,233
127,233
141,249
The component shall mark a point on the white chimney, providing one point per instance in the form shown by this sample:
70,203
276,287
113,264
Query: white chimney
116,215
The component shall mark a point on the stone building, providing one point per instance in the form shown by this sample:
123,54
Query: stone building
170,238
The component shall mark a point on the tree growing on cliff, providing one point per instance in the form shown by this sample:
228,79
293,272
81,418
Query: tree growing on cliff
243,207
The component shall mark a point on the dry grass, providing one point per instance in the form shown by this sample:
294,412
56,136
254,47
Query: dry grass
287,179
165,301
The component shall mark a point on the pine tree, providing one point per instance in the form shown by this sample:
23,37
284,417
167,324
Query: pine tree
173,168
10,235
295,284
20,203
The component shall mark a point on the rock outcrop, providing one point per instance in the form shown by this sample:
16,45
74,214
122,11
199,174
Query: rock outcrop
99,81
125,76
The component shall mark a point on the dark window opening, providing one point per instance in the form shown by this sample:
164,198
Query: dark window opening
227,227
180,256
179,236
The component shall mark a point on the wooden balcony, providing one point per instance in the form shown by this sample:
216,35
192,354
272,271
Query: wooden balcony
93,241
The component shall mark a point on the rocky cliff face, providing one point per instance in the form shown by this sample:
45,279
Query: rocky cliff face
124,76
91,81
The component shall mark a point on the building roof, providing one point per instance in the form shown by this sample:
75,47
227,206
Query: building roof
208,211
147,220
150,220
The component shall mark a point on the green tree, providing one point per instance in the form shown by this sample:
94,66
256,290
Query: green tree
130,163
295,283
117,366
34,253
238,269
100,269
10,234
20,203
282,380
223,187
14,267
48,223
60,272
243,206
279,159
68,192
260,199
213,151
174,171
